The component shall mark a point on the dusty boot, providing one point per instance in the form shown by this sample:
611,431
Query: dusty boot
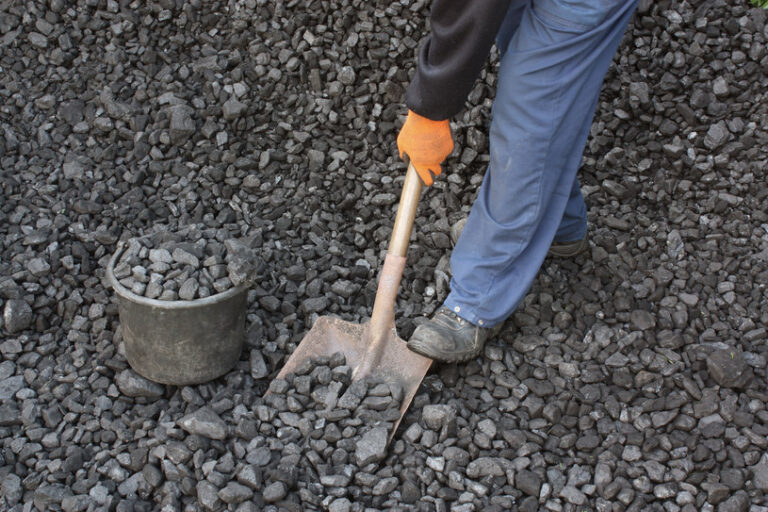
448,338
568,249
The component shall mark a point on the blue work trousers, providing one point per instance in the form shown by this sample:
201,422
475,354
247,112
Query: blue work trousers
554,56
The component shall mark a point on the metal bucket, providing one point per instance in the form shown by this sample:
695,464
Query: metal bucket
182,341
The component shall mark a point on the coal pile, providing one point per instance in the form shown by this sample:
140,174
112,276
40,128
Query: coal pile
332,431
186,265
631,378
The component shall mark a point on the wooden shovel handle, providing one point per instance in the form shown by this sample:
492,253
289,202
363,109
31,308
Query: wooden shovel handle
383,315
406,213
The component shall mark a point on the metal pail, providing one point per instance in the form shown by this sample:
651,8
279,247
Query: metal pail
182,341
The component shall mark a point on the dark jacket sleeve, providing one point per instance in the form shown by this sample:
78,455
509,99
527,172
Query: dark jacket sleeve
452,55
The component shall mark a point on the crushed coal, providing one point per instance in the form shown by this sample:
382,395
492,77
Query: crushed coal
631,378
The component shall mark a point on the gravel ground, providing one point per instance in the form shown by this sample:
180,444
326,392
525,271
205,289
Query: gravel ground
632,378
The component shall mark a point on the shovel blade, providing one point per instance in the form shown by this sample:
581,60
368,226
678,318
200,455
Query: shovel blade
380,356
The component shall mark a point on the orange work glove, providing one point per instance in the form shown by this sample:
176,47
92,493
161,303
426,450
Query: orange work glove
427,143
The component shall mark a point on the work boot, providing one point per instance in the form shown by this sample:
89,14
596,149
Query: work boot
449,338
568,249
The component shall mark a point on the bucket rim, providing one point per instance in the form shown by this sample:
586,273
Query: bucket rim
127,294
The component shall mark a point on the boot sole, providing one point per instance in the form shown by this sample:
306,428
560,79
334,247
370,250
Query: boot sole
442,359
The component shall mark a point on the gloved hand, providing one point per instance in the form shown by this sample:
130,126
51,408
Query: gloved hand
427,143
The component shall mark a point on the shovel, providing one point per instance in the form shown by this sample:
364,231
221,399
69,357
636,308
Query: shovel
373,350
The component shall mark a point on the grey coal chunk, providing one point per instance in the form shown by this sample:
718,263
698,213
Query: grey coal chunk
138,288
337,359
259,457
335,415
38,267
485,466
720,87
153,290
332,434
10,348
717,135
78,502
248,476
240,272
729,368
72,111
10,485
160,256
639,91
528,343
353,395
37,39
17,315
132,384
222,285
340,505
235,493
48,495
413,433
188,290
342,374
152,475
572,495
435,416
279,386
322,375
304,367
371,447
316,159
232,109
760,476
347,75
315,304
344,288
10,386
208,495
642,320
275,492
168,295
733,478
302,384
182,126
385,486
334,480
185,258
716,492
397,393
243,261
7,368
739,502
603,475
528,482
204,422
131,484
377,403
327,395
258,365
410,492
456,229
9,415
379,390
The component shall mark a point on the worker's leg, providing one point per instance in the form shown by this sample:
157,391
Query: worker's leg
510,24
573,225
549,81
